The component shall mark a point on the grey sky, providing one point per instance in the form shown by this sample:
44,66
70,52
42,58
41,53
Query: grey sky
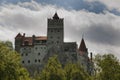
101,30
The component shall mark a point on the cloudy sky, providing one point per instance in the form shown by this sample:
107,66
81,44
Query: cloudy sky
97,20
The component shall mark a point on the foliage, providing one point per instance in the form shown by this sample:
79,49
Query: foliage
108,67
10,67
53,70
75,72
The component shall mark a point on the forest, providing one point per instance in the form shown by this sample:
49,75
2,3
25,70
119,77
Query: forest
106,67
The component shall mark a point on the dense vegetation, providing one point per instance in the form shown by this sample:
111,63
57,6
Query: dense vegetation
10,66
107,67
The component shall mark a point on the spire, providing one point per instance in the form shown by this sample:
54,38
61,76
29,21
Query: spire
82,46
55,16
18,36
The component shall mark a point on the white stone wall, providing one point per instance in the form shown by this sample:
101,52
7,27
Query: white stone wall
33,55
83,61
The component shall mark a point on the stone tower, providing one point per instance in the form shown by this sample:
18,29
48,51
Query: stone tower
18,42
55,32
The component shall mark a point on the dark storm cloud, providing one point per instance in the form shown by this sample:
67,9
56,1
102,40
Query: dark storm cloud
99,34
96,6
103,34
93,6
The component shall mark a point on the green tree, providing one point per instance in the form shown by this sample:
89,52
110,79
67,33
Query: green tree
108,67
10,67
75,72
53,70
8,44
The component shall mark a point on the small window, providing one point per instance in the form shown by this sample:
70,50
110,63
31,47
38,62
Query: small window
41,47
21,54
35,60
26,54
38,53
57,42
22,61
58,37
58,30
52,42
39,60
51,37
28,61
36,48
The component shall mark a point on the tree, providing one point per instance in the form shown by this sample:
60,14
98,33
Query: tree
8,44
10,66
108,67
53,70
75,72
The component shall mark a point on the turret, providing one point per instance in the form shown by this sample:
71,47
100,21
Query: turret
82,46
18,42
55,30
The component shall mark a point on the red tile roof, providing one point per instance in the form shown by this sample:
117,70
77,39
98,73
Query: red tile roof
41,38
29,40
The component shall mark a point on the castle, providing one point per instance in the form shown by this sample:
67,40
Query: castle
36,50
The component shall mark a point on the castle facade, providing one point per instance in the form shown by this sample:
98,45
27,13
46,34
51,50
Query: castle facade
36,50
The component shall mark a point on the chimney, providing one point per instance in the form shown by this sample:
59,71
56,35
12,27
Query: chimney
91,55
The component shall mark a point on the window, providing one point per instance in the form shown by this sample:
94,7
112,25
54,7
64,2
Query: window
35,60
22,61
39,60
52,42
57,42
28,61
21,54
51,30
38,53
51,37
58,30
44,47
58,37
26,54
36,48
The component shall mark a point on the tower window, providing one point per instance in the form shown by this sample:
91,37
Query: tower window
39,60
35,60
58,37
36,48
28,61
22,61
57,42
51,30
21,54
58,30
52,42
51,37
26,54
38,53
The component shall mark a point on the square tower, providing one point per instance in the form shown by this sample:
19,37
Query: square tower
55,31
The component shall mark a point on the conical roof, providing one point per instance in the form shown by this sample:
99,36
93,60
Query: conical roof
82,46
56,16
18,36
